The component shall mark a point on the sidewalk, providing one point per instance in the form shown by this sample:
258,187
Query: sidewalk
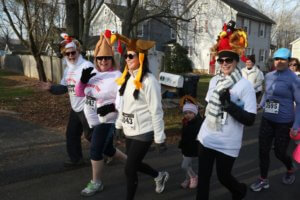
32,169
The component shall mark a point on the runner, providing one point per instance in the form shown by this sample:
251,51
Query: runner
279,118
141,115
231,105
77,123
100,90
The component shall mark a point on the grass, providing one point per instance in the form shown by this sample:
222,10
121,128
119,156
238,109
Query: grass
8,89
173,116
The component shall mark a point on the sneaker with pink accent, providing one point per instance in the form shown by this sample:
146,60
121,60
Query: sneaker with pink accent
194,182
185,184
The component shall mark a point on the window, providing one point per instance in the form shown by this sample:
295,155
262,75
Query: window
173,34
261,55
246,25
140,30
249,51
261,30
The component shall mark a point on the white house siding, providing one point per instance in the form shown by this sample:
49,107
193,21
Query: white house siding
105,19
257,44
202,32
296,48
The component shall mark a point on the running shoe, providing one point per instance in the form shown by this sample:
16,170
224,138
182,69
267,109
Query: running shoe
193,182
185,184
260,184
91,189
160,181
289,178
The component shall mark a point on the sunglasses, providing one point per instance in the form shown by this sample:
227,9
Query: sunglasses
281,59
70,53
227,60
100,58
130,56
294,65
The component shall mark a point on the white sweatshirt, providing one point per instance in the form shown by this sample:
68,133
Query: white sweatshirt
137,117
71,77
255,76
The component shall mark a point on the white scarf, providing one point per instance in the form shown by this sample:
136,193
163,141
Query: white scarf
213,110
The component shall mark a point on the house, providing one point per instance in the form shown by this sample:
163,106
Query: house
111,16
209,16
296,48
16,48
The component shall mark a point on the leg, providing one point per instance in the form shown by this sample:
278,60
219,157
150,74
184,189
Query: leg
205,167
98,141
266,135
87,131
136,151
73,137
224,166
281,143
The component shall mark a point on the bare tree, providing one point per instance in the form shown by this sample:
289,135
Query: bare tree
79,14
38,22
286,15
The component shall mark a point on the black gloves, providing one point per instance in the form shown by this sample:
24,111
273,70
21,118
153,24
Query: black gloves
162,147
225,97
235,111
104,110
86,75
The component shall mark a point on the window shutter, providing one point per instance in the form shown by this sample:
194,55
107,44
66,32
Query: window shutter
258,30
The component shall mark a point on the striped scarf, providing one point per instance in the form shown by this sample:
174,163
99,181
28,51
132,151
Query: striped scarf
213,110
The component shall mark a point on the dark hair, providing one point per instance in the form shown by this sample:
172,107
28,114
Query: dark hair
144,72
297,62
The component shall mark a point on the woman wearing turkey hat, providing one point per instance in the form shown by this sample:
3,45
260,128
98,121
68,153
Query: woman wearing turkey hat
140,114
231,105
99,88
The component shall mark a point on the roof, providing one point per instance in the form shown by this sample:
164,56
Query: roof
295,41
119,10
17,48
248,11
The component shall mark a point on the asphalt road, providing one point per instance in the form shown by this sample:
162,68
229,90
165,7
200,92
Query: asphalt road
31,167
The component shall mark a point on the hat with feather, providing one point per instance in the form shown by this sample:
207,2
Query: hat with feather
68,42
231,42
139,46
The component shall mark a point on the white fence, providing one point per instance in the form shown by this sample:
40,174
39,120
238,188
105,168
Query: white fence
26,65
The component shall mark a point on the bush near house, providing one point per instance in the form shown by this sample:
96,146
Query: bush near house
176,60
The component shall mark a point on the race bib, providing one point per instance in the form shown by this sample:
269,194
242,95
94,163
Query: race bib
90,102
224,117
272,106
71,90
128,120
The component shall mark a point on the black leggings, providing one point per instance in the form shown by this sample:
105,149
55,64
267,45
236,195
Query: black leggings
224,165
279,132
136,151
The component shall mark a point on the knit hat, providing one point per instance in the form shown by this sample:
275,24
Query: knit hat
190,107
231,42
139,46
68,42
252,58
104,45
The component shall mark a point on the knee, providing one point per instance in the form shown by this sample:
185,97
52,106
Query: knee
129,170
95,153
279,154
224,178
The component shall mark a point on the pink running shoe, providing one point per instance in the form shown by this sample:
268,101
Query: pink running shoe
185,184
194,182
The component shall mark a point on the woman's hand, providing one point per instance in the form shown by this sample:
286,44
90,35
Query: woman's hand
86,75
293,132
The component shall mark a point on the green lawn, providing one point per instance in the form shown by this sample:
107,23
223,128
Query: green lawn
8,89
173,116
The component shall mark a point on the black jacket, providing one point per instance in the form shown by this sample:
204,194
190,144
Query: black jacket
188,143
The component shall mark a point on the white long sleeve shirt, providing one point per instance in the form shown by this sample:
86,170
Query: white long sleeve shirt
255,76
137,117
